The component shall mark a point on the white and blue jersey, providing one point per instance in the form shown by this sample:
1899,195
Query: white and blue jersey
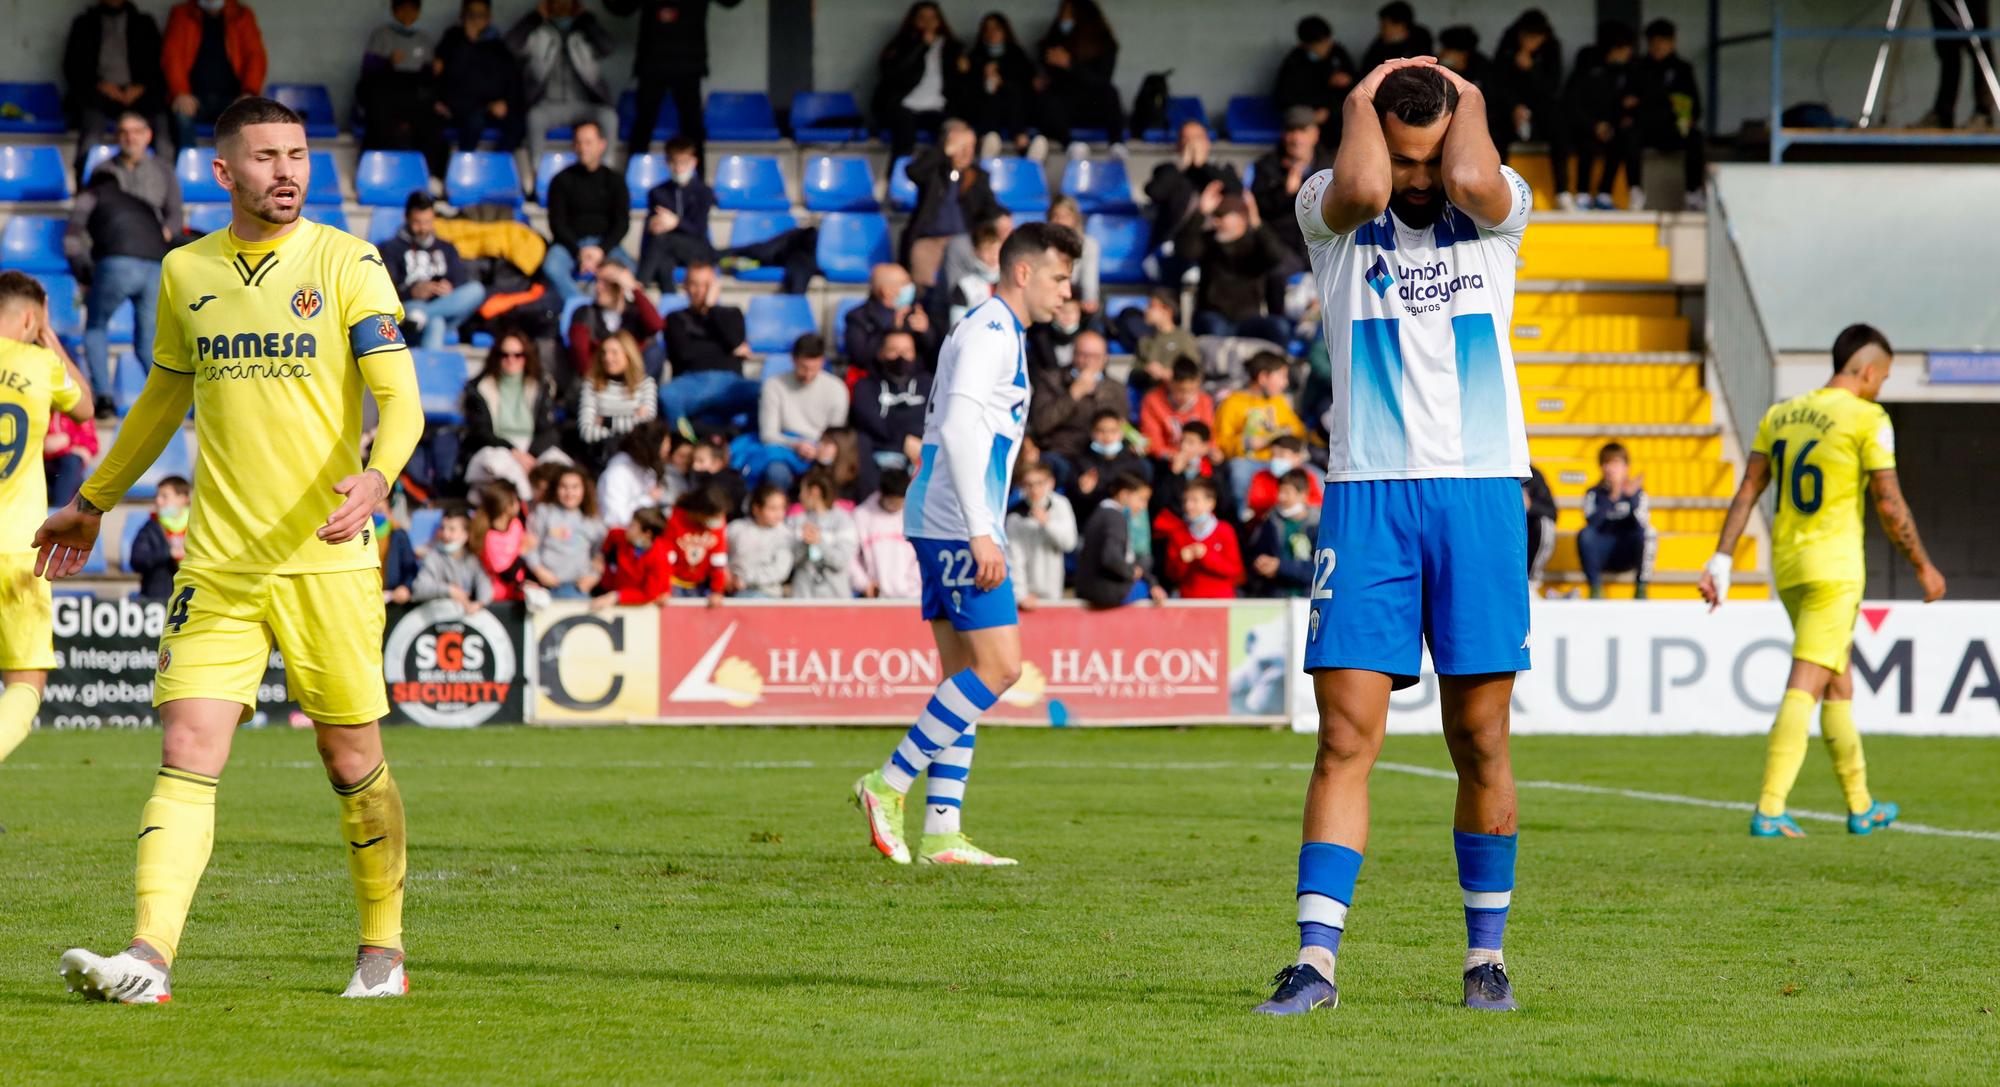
973,427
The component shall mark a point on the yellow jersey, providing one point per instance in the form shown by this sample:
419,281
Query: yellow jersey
1822,446
274,337
33,382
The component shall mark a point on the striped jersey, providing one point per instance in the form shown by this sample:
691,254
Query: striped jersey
986,360
1417,323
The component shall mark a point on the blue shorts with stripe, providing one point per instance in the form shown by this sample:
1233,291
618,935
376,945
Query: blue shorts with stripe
1404,562
946,569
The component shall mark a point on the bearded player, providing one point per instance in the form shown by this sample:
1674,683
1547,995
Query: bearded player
274,330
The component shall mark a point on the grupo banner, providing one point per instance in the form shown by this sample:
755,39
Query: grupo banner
871,662
1665,667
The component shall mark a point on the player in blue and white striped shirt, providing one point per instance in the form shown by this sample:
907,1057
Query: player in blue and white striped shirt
955,516
1413,236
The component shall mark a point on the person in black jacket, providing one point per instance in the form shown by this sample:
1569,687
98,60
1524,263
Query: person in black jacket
1238,259
1176,186
1397,35
479,79
1079,55
891,307
995,83
589,213
913,75
1108,457
1458,50
1602,103
1278,546
671,59
952,195
1274,185
510,417
114,243
1524,88
887,409
1670,108
432,281
676,231
100,87
1109,573
1316,74
160,546
1541,504
706,348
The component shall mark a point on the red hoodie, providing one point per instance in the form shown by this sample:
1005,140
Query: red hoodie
700,552
1216,573
637,578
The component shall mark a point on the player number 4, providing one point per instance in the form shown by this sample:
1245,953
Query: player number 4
177,613
1322,573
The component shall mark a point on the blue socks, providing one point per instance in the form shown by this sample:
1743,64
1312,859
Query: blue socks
1326,888
951,712
1486,875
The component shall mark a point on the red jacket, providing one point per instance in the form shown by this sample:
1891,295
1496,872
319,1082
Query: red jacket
636,578
700,553
1216,573
240,35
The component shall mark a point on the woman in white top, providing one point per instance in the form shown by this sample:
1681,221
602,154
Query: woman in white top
916,68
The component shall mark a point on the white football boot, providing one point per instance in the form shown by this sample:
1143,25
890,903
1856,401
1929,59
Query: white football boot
124,978
378,971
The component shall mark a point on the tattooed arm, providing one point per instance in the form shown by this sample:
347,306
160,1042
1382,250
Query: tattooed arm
1901,528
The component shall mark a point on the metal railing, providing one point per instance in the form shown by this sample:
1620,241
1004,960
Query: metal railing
1738,345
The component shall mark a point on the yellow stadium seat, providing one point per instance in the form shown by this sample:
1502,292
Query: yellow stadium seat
1635,264
1570,404
1643,449
1598,332
1594,235
1663,479
1574,303
1608,375
1681,552
1699,521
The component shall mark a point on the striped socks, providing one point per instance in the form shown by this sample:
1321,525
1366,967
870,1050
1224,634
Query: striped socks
1486,876
945,788
951,713
1326,888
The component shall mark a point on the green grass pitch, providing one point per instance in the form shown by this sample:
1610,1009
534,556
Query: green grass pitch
699,906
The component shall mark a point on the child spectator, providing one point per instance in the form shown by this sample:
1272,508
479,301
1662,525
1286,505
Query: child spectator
760,547
616,398
968,291
708,469
1171,405
631,481
886,564
1617,533
1280,544
1109,568
161,544
500,539
1250,419
1203,558
1109,455
697,545
1041,533
1194,458
639,565
1159,342
825,541
569,539
399,559
452,570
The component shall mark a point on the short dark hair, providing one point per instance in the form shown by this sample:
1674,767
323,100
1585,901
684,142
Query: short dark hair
812,345
1661,28
1461,38
1030,240
651,519
819,478
394,4
1201,485
1107,413
1297,478
1850,341
591,125
1290,443
175,483
1417,96
245,112
1312,29
1263,362
1398,12
1533,21
986,233
1612,451
1197,428
1126,483
1166,296
895,483
1612,34
135,115
690,266
681,145
21,287
419,201
1185,369
763,494
455,511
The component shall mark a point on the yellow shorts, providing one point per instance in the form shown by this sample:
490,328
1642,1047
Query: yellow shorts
1823,614
27,637
220,628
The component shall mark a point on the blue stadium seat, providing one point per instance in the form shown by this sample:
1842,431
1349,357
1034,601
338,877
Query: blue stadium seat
1115,304
313,102
100,153
65,304
851,243
1099,185
135,522
207,218
423,528
1121,240
39,172
198,184
1249,175
569,313
1253,119
177,459
839,183
1180,110
1018,183
642,172
672,302
33,243
750,183
128,380
482,177
826,117
553,163
740,115
328,214
31,107
902,191
324,185
383,224
441,381
757,226
97,563
120,330
774,321
664,127
384,179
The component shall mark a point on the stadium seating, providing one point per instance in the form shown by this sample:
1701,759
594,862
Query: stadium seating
839,183
773,321
671,302
207,218
385,179
177,459
441,384
1099,185
553,163
757,226
643,172
31,108
826,117
840,311
750,183
740,115
1253,119
129,378
33,243
1180,110
483,177
851,243
902,191
197,177
33,172
327,214
424,525
65,304
664,127
313,102
1121,240
1118,303
99,154
1018,183
135,521
324,185
1595,251
383,223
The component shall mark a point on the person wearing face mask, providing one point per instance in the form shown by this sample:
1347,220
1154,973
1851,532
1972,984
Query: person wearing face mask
913,74
677,211
1202,558
993,87
398,88
211,55
1110,455
1315,75
1079,54
975,285
1525,87
480,80
1066,398
889,405
161,544
1193,457
562,49
891,307
437,292
450,570
1279,545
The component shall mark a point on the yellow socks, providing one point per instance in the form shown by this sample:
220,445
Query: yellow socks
1787,750
371,822
18,704
1843,742
176,832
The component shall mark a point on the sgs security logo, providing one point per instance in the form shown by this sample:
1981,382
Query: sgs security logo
450,669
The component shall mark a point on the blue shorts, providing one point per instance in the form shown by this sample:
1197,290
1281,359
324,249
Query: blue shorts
947,570
1401,562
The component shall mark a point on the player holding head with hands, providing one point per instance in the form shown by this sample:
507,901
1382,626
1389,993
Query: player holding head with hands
955,517
1413,236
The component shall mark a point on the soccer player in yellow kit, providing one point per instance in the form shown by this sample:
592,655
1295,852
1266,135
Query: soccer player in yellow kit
1822,450
36,376
272,329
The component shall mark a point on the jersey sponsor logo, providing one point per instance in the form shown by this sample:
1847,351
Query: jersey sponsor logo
1427,287
195,306
307,302
1380,278
225,346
